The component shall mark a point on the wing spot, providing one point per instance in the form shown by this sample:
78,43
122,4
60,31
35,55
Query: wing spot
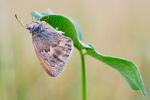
58,52
69,40
66,56
68,45
54,45
58,59
47,50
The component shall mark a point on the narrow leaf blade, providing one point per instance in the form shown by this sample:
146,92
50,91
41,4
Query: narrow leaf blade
128,69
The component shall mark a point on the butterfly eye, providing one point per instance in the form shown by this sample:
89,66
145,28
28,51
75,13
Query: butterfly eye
29,26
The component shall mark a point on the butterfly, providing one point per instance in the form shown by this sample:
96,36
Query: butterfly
52,48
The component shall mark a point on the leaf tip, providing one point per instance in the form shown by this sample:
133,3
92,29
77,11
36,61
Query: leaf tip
33,11
144,93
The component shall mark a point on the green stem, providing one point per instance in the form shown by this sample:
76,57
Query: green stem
83,77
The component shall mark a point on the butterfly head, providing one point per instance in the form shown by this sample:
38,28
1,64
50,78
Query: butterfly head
35,28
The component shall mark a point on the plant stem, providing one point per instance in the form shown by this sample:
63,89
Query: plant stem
83,76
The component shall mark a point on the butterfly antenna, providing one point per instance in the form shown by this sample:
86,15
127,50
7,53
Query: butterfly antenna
20,21
46,22
31,16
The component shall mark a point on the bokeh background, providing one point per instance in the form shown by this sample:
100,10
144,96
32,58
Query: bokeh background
119,28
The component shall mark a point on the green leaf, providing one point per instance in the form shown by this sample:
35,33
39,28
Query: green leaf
65,24
128,69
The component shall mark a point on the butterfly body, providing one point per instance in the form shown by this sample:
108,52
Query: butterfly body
52,48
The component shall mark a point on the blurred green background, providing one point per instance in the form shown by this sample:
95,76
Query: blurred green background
119,28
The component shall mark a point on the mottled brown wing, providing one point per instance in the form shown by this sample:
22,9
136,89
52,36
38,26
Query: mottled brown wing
53,56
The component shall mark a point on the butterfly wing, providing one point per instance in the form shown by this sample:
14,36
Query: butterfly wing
53,50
